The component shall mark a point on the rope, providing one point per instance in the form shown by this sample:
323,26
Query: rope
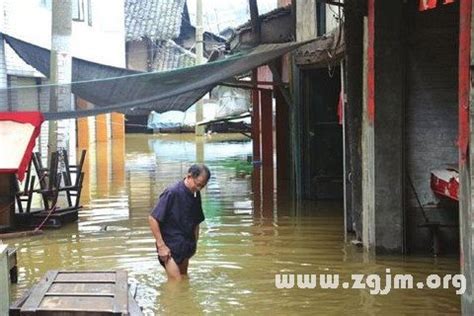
53,209
6,208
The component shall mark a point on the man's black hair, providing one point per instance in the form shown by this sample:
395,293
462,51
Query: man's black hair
197,169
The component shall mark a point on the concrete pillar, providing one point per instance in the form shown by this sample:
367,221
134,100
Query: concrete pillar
385,110
118,163
118,125
86,182
61,73
3,77
83,137
354,34
83,133
389,95
282,145
368,182
466,151
199,130
102,168
199,141
4,281
267,151
101,134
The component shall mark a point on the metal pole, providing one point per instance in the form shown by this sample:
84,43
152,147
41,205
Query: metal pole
199,130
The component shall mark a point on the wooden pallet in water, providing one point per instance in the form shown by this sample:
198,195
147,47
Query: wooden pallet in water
74,293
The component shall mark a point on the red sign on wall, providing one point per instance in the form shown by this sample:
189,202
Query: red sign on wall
431,4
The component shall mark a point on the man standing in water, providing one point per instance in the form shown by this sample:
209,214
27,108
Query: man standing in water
175,221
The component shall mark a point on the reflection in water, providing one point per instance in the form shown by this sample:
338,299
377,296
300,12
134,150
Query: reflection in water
241,247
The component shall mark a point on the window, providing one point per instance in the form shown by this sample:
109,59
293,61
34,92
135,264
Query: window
78,10
320,18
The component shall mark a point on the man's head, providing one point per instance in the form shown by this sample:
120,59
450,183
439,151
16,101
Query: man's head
197,177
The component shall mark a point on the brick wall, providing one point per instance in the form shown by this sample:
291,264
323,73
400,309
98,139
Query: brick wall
431,111
431,120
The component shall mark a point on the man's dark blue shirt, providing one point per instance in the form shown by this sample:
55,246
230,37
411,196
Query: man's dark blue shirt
178,212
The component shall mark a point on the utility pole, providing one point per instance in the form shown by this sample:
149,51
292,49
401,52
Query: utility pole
199,130
60,75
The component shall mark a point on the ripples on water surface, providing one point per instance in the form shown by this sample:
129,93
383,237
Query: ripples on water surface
239,252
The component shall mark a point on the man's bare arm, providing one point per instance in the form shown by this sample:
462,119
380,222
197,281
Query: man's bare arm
163,250
196,232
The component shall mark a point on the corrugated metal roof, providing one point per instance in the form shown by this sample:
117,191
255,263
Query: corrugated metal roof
154,19
172,56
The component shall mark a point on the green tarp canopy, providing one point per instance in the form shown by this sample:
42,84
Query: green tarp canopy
112,89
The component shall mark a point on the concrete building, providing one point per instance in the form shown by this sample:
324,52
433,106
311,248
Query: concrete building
97,35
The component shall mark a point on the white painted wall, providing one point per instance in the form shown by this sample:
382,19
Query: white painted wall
102,42
306,18
332,16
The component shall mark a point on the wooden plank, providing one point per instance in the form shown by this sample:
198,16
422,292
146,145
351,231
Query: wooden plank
16,306
76,304
34,300
80,293
133,308
121,292
78,288
84,277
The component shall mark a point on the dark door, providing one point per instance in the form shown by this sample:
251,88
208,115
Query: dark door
322,134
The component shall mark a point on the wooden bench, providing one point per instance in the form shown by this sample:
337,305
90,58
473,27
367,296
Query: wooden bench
25,194
49,179
73,189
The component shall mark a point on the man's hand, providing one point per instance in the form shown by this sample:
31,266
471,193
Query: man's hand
163,251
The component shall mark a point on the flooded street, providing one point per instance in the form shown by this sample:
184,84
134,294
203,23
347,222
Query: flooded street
239,252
